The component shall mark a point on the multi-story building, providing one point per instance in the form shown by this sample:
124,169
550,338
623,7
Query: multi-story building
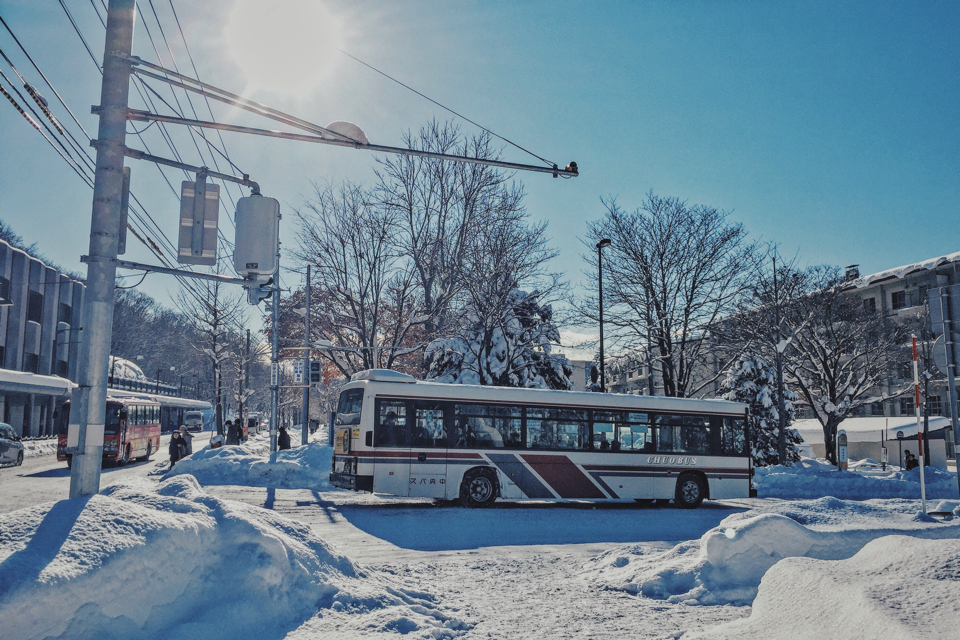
40,313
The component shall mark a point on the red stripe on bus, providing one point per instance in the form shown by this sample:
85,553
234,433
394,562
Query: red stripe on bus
440,453
563,476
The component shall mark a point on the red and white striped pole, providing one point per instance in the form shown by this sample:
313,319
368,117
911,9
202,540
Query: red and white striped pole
916,409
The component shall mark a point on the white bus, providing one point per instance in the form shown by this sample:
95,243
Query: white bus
395,435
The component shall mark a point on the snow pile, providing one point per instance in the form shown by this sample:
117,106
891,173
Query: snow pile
305,467
37,448
726,564
895,587
147,560
816,478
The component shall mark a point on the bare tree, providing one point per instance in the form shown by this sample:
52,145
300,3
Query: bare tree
441,210
840,351
215,317
364,299
672,271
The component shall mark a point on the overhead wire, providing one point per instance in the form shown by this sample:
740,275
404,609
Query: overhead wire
138,219
459,115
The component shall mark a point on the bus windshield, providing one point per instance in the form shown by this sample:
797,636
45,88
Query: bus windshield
112,422
348,412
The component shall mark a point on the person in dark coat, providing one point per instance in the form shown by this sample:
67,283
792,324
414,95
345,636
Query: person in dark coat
231,433
283,440
176,449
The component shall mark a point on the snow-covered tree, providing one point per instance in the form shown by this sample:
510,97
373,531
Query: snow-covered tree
502,345
753,381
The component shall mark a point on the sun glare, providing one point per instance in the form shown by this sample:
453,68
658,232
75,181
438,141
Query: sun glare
286,46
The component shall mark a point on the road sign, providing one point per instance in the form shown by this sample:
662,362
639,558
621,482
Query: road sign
316,372
274,374
940,355
199,215
298,372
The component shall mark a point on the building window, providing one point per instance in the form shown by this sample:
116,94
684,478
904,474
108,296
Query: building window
876,408
898,300
906,406
4,289
935,406
66,314
870,304
62,367
35,306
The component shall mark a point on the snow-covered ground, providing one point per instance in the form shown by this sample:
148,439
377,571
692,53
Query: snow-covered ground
236,542
37,448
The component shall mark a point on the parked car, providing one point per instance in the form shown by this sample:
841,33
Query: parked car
11,448
193,420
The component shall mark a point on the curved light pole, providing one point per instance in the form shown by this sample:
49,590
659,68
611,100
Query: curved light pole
603,375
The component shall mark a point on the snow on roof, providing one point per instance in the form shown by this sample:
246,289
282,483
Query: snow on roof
24,381
904,271
126,369
867,429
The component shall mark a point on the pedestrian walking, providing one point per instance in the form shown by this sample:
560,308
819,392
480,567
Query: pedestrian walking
187,439
176,448
231,433
283,439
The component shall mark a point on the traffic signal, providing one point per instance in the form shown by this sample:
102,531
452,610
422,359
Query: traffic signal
315,372
259,291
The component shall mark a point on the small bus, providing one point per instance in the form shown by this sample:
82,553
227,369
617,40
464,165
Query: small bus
395,435
131,430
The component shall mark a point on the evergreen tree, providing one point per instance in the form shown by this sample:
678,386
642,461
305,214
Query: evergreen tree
505,347
753,381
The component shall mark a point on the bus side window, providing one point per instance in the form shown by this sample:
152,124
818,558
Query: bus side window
733,438
392,424
428,429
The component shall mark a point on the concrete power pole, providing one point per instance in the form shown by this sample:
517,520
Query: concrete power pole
90,399
304,431
275,361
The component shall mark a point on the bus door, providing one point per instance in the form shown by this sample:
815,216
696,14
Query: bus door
392,441
428,455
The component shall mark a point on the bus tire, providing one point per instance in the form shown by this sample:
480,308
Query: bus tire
691,490
478,488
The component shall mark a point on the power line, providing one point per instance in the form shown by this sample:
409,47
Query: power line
510,142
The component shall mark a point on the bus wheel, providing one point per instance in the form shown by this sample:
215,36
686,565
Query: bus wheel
478,489
690,491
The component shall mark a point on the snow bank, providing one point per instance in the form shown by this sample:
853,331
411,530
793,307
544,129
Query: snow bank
726,564
895,587
148,560
815,478
37,448
305,467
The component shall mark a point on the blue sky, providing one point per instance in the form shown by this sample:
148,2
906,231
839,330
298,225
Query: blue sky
830,128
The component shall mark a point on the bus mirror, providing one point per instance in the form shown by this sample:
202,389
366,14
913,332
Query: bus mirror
123,414
369,438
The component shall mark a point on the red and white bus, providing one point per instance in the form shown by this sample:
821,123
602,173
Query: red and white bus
131,430
396,435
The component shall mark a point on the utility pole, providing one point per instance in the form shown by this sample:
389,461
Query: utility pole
304,431
243,380
90,398
781,411
275,361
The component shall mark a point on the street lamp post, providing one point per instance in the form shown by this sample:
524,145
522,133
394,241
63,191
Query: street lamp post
603,375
